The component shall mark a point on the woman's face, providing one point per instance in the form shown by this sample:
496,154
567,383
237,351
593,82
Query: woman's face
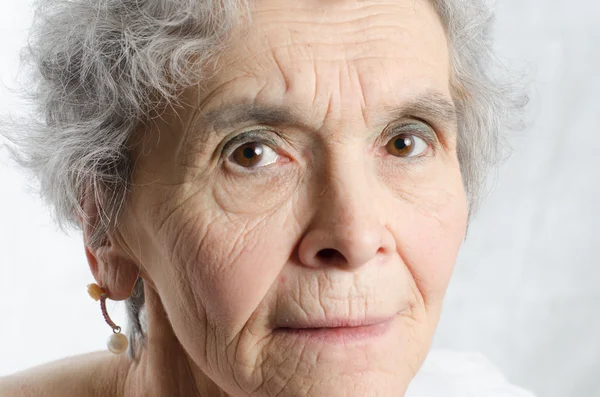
301,216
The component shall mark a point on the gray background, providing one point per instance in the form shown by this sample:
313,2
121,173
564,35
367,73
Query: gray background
526,291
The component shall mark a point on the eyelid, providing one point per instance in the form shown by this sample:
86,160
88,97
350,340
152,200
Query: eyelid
255,135
413,127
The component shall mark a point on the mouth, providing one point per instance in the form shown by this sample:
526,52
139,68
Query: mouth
336,331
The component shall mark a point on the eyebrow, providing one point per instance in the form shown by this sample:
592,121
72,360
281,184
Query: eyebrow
432,107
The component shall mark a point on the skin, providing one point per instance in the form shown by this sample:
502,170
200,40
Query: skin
334,227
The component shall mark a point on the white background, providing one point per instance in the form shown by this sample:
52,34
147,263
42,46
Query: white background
526,291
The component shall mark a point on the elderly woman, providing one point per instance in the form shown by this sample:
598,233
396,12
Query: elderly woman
279,189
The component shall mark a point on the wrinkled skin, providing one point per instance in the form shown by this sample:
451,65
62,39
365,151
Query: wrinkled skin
331,225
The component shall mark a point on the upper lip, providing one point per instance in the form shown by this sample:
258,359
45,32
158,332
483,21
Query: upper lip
340,322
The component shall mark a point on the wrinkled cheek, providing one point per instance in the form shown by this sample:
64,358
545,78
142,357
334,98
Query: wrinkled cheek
232,263
429,243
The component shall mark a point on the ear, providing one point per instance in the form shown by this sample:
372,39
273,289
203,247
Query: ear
112,265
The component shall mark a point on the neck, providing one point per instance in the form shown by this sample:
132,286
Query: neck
163,367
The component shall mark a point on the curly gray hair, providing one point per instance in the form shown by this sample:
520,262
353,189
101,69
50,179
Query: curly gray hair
102,68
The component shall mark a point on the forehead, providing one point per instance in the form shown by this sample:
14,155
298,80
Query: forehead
312,54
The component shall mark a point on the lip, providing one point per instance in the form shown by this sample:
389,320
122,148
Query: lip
333,331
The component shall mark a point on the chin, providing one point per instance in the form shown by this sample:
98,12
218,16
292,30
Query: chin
365,384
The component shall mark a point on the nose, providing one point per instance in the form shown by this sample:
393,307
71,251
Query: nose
348,228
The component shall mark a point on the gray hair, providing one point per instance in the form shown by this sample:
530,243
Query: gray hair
104,68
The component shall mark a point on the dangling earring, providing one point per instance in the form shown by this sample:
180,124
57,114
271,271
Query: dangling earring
117,343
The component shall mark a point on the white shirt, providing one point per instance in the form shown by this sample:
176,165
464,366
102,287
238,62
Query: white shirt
447,373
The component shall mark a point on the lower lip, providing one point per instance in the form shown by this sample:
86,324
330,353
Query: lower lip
342,335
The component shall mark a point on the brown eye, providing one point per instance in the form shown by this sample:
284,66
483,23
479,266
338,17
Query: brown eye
253,155
406,145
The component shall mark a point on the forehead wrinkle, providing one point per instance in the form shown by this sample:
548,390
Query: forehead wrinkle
242,110
430,104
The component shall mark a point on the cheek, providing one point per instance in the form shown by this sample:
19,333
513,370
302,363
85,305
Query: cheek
429,251
228,262
430,226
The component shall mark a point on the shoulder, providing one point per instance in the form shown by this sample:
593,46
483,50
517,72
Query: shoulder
77,376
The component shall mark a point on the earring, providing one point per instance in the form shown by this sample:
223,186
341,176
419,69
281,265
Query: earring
117,343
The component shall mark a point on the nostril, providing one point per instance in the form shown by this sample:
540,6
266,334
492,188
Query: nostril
330,255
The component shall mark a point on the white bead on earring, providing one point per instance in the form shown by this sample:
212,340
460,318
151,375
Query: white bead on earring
117,343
